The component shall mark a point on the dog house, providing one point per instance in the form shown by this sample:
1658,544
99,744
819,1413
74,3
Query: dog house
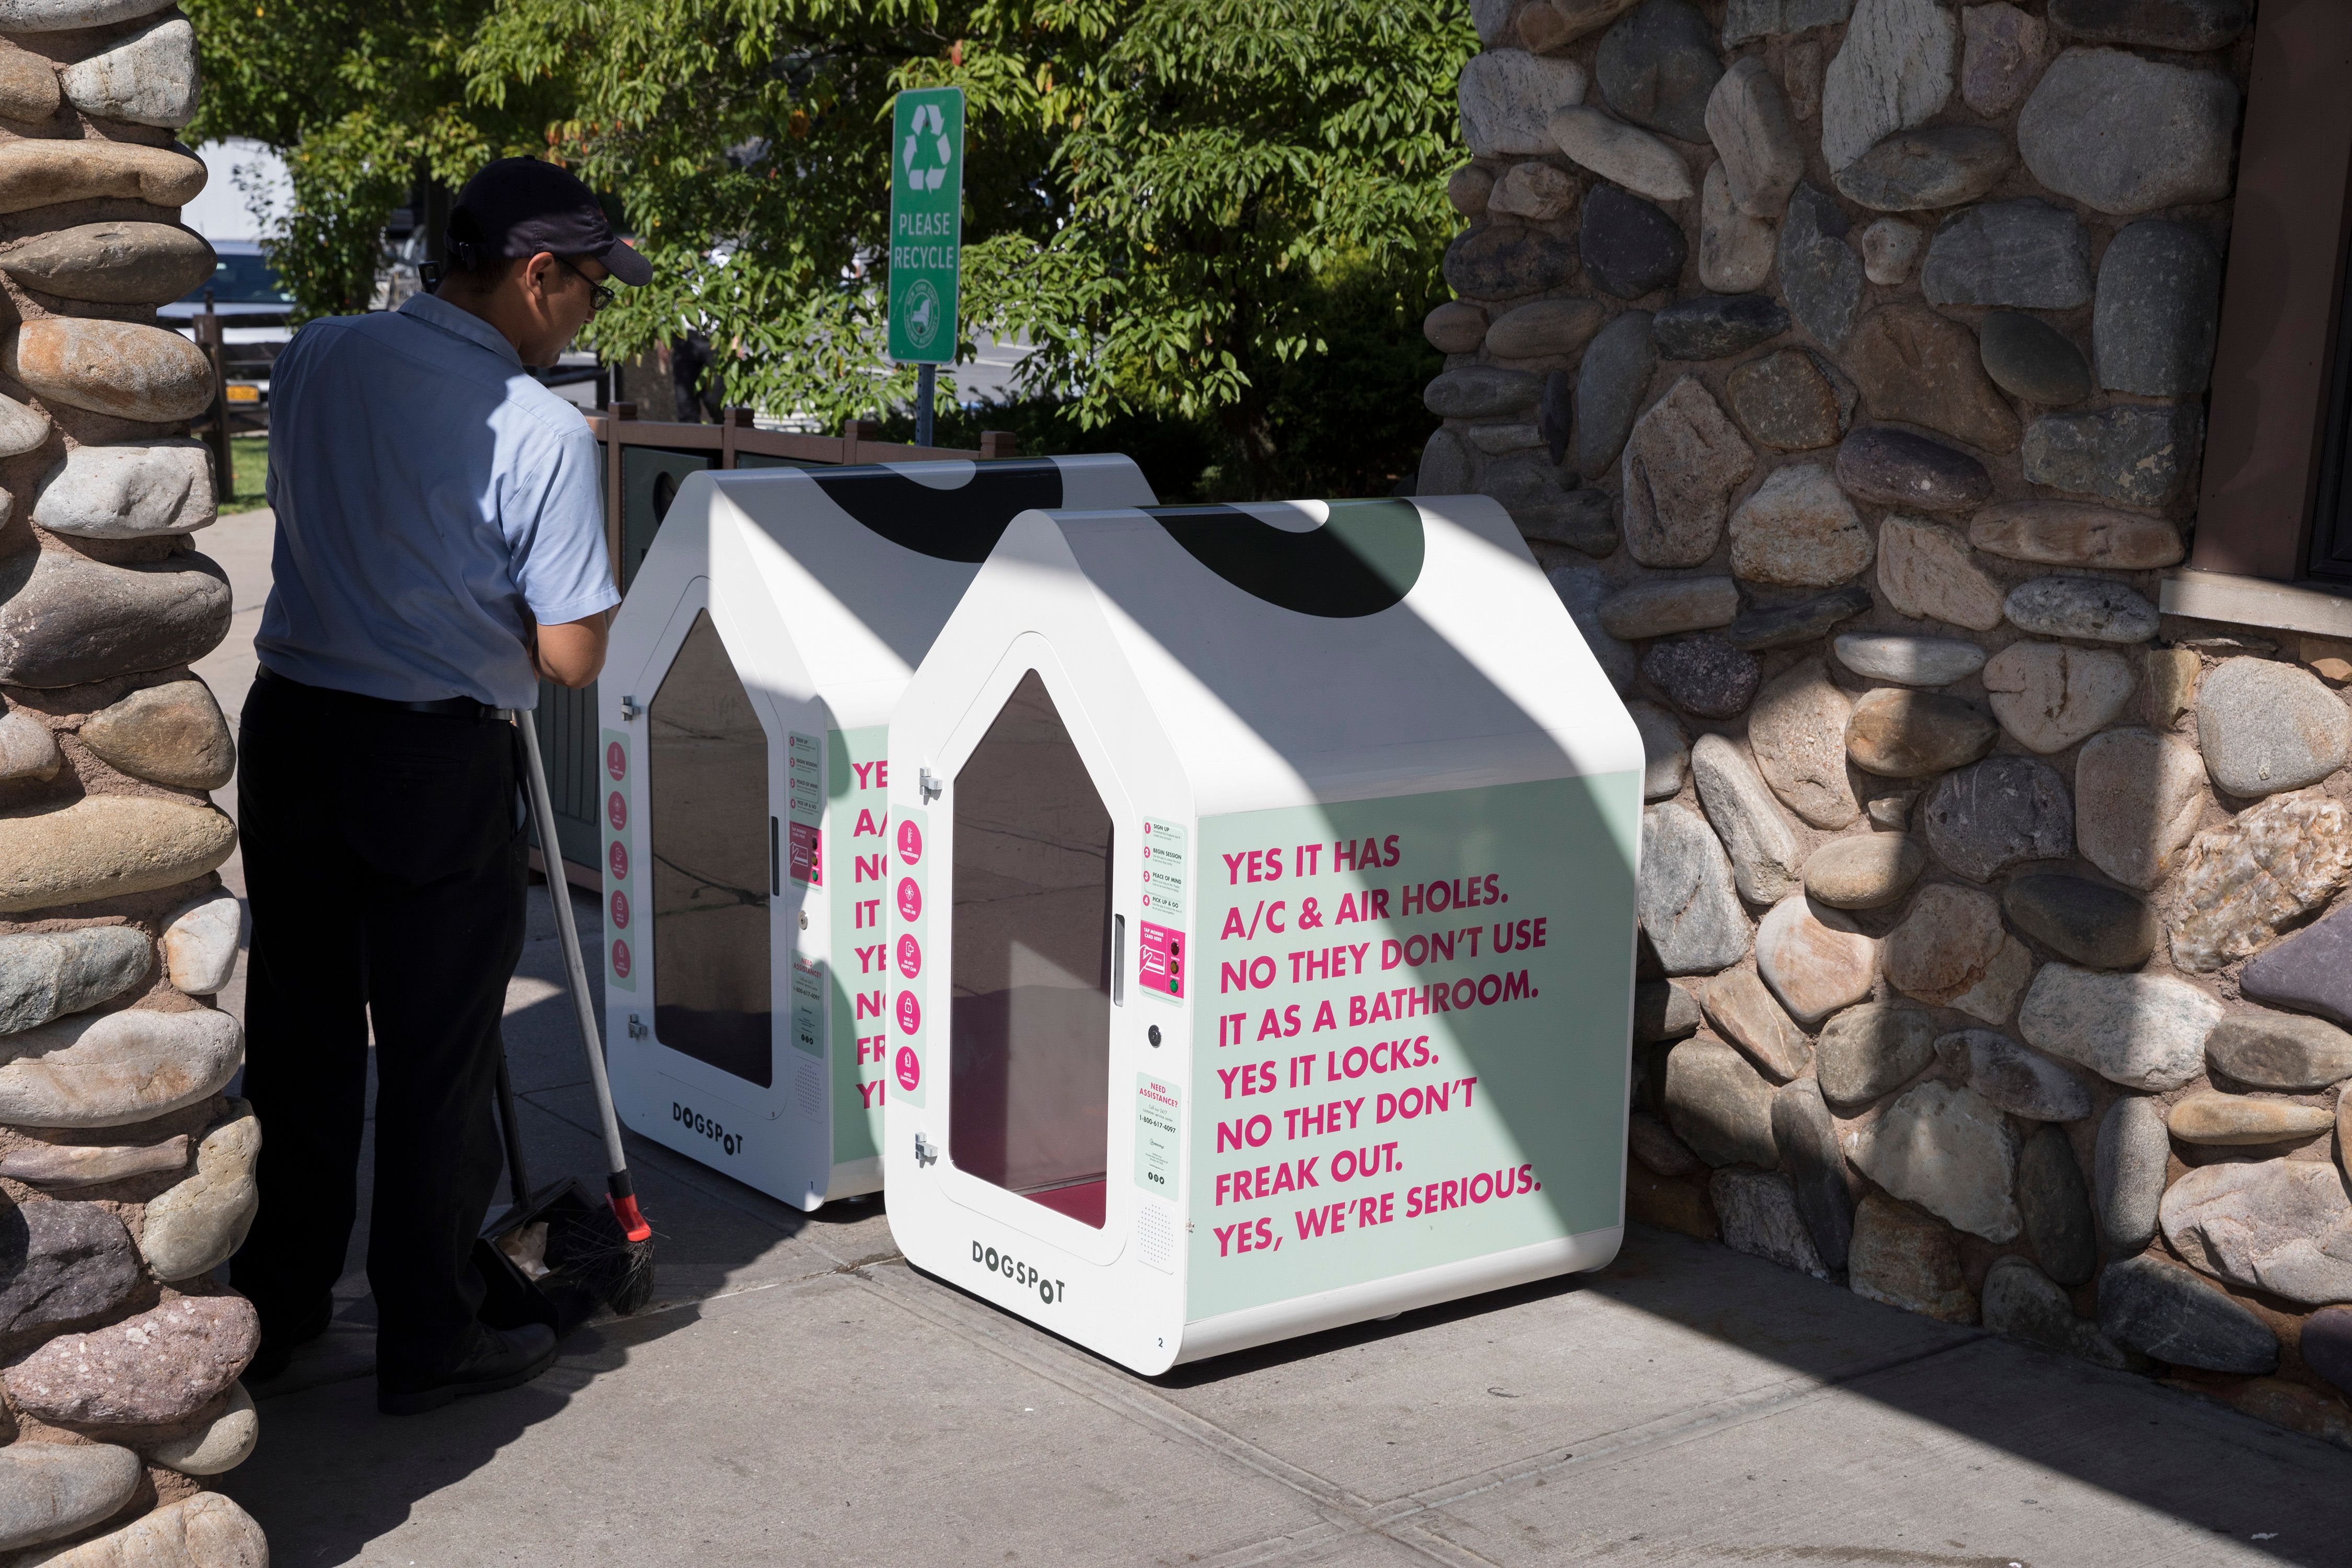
1262,925
754,664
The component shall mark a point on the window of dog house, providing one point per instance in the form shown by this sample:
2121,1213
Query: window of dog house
707,772
1029,1044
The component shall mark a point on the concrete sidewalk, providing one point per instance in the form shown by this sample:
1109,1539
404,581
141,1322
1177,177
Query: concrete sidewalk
799,1395
803,1396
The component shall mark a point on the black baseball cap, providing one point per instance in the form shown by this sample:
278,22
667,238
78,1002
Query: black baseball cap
521,207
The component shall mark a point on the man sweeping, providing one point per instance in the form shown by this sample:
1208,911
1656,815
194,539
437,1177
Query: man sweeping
440,547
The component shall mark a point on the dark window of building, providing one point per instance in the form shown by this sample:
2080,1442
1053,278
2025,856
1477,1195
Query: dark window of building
2331,519
2271,502
708,758
1030,1037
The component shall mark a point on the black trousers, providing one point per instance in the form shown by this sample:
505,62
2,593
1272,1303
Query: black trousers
386,864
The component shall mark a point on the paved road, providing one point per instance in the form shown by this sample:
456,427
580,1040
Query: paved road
801,1395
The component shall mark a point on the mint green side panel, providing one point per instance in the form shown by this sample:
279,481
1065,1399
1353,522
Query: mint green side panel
1384,1104
855,863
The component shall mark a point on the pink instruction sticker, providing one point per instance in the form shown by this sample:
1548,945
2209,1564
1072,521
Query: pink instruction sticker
1163,960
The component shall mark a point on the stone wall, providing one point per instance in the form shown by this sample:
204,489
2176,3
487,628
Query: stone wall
1844,361
127,1174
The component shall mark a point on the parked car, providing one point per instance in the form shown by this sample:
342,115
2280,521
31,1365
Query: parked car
253,304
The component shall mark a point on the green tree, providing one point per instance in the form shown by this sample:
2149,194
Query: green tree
1168,197
747,142
1245,177
1226,214
362,99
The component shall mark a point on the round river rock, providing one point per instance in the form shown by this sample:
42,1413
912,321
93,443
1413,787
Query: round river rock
2264,726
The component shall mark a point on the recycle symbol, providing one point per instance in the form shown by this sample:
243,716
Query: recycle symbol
927,121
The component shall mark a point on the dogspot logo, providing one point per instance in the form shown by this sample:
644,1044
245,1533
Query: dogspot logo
1048,1290
693,1121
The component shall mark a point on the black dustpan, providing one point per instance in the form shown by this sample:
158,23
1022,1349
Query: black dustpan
558,1254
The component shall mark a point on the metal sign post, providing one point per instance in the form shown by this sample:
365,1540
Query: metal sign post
926,237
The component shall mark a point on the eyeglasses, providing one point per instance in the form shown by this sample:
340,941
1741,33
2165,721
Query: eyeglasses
599,294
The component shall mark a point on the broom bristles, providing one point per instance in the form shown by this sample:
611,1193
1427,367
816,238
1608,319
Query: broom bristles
587,1248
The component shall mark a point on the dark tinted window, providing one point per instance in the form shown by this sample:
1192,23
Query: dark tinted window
242,281
2331,522
1030,1039
650,478
708,762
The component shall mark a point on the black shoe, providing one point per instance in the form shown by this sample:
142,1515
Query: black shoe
496,1359
278,1345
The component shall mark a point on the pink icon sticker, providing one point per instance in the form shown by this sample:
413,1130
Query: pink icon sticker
910,843
617,761
910,956
910,1013
617,858
621,959
910,900
910,1068
616,811
620,910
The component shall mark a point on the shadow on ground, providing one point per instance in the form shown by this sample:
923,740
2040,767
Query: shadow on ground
799,1394
713,1238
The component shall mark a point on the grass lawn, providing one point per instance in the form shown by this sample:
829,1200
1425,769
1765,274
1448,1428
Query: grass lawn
250,457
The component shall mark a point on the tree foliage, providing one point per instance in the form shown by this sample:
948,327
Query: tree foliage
1218,212
1235,169
362,99
747,141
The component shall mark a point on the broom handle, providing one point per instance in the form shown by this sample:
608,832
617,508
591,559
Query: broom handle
510,1134
592,1036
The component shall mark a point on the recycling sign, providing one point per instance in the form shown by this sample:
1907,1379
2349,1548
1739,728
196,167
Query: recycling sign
926,224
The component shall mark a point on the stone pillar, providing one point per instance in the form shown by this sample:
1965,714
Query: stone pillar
127,1174
1847,362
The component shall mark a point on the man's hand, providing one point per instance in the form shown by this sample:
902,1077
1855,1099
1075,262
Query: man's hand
570,654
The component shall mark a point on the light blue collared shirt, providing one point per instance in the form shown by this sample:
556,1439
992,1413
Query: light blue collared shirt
430,498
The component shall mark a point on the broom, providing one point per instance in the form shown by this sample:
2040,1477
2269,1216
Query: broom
560,1245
